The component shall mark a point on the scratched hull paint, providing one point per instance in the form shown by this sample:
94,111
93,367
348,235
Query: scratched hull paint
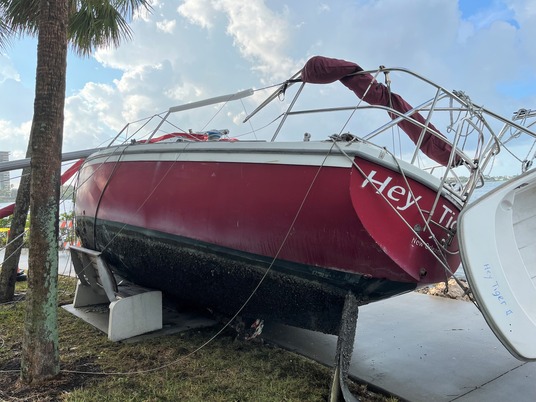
204,224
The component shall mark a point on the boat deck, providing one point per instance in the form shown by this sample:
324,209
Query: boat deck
423,348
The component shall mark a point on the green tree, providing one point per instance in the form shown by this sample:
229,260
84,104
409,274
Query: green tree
55,22
92,24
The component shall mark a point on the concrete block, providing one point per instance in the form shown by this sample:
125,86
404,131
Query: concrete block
85,295
135,315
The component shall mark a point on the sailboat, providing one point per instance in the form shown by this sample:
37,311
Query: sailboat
371,199
283,230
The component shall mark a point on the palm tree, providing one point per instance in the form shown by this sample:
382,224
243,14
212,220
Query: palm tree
92,24
40,351
87,25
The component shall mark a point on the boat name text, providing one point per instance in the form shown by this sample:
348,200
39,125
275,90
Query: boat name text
401,194
495,289
395,193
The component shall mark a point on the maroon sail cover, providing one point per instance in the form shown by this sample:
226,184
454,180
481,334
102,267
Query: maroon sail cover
324,70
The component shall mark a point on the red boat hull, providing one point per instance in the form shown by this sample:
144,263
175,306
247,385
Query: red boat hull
206,231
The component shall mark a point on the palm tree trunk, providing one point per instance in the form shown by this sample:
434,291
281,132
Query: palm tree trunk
40,354
8,274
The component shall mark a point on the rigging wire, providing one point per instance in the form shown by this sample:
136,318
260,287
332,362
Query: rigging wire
150,195
245,303
250,123
442,261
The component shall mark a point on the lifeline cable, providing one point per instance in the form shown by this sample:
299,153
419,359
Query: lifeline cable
245,302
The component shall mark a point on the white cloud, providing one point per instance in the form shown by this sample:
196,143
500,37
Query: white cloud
184,91
167,26
322,8
190,64
203,48
260,34
7,70
497,11
198,12
14,138
92,117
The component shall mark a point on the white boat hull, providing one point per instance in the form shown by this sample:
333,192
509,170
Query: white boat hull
497,237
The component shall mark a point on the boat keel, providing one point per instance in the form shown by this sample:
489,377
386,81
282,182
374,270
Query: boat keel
345,346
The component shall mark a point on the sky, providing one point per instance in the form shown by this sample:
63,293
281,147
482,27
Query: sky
189,50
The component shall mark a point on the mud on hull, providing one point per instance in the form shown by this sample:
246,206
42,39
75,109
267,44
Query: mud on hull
223,279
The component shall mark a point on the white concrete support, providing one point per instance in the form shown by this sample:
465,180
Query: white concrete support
135,315
85,295
133,310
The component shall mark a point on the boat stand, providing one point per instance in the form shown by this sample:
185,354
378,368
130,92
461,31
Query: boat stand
133,310
343,355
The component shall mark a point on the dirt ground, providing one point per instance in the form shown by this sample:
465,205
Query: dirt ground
13,390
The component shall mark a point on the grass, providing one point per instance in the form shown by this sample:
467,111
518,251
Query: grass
160,369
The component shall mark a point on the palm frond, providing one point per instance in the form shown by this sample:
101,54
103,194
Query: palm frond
92,23
21,16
